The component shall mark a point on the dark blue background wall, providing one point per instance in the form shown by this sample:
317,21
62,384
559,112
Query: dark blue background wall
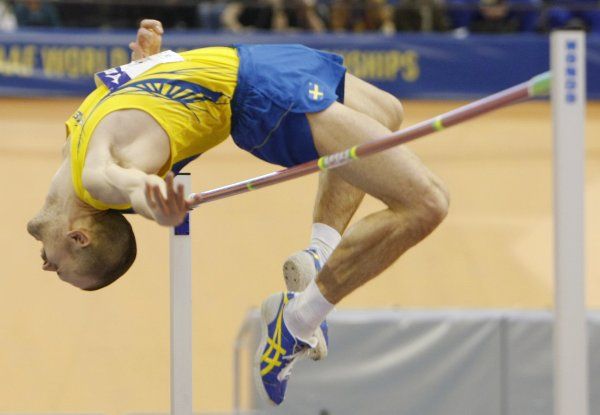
434,66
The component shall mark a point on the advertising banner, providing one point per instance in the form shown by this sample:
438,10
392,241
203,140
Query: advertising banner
427,66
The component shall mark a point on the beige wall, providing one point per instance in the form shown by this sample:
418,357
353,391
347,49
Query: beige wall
66,350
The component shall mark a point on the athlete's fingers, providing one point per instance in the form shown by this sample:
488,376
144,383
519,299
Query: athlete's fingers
147,23
170,177
158,27
189,202
152,25
136,51
160,201
192,200
180,199
166,201
144,37
170,187
174,196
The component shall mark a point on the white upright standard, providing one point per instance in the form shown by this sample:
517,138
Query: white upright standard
180,248
570,324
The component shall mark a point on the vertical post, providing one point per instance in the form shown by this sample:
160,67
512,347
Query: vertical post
570,324
180,259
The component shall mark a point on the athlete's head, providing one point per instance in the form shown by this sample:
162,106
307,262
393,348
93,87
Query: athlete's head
89,254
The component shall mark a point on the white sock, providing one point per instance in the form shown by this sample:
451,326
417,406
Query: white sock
305,313
323,240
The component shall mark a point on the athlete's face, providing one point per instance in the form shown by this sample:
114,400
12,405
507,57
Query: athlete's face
56,253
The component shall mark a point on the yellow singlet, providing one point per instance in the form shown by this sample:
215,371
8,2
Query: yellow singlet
189,99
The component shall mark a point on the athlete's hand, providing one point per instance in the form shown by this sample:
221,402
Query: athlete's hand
149,39
169,210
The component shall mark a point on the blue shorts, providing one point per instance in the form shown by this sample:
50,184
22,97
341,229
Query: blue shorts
277,85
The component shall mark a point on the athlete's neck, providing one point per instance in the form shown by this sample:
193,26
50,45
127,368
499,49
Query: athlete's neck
62,204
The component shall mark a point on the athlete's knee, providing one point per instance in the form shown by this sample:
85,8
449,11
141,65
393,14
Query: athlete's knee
433,206
392,111
389,111
396,115
424,213
444,192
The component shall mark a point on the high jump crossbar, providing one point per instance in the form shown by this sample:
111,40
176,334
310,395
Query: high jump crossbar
537,86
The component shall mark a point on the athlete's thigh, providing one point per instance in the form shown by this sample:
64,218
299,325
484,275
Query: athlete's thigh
395,176
372,101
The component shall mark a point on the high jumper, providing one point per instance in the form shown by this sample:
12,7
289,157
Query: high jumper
286,104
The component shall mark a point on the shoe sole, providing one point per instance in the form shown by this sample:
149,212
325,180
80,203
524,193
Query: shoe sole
298,271
295,269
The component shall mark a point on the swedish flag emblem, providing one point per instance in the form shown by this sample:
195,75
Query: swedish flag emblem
315,92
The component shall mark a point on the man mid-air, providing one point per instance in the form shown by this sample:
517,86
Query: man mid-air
286,104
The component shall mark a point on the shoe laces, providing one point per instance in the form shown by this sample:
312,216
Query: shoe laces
293,358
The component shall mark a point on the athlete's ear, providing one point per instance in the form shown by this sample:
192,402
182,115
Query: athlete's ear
80,237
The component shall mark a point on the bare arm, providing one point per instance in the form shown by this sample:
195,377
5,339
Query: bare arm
132,183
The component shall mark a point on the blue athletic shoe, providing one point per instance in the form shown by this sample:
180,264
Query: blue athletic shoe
278,350
298,271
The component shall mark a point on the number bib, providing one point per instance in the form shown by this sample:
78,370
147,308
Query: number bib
116,77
